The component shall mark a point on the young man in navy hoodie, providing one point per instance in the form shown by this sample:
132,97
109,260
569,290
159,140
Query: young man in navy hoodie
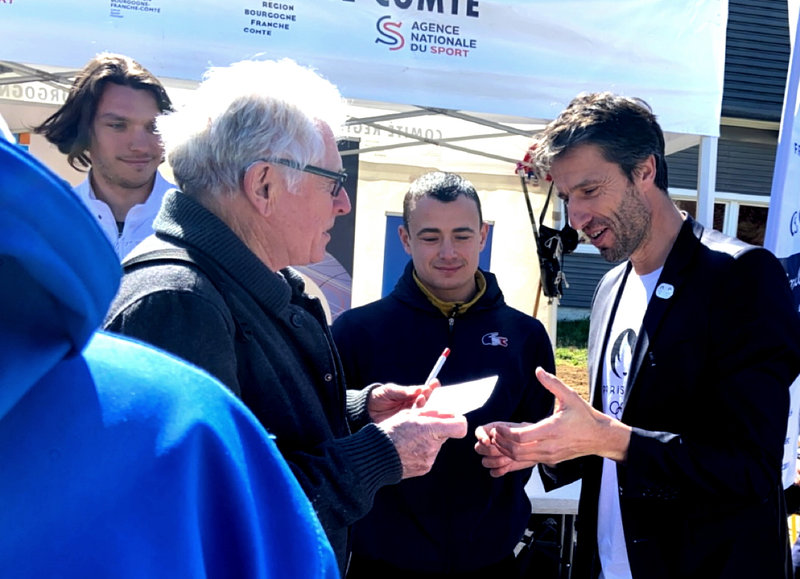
444,300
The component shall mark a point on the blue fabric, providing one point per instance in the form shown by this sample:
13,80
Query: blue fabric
55,271
119,460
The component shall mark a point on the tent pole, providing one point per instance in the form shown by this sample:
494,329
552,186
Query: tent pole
706,180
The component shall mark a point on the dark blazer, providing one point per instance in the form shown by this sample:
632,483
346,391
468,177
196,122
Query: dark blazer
708,400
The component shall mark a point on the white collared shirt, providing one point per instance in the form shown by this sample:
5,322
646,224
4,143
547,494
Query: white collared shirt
138,222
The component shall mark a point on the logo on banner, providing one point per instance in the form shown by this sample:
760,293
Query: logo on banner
390,33
794,223
424,37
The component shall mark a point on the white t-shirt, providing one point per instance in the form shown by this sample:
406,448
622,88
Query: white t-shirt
617,358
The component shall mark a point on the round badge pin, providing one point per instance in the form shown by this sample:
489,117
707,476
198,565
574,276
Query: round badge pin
665,291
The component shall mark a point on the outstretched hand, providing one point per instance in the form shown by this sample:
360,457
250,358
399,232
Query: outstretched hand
574,429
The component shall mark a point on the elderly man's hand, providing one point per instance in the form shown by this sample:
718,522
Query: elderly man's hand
387,400
418,436
574,429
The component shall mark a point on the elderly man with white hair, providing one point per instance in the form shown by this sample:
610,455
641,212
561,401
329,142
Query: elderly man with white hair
261,184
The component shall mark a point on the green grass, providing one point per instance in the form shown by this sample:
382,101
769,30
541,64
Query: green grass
572,356
571,338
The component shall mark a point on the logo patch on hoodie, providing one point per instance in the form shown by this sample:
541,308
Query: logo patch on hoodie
494,339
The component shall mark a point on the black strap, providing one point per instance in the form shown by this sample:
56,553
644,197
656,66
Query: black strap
530,210
210,269
165,254
530,207
546,204
549,248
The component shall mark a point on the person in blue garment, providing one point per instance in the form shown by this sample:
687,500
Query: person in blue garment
119,460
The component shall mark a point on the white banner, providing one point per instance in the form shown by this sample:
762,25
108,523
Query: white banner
782,236
523,58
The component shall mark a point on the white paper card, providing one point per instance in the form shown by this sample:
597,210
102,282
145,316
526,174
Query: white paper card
461,398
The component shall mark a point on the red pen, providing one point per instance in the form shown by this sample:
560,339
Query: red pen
438,366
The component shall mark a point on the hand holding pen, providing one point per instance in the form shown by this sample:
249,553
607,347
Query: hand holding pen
417,436
386,400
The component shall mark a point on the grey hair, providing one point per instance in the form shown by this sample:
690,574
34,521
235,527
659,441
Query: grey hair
244,112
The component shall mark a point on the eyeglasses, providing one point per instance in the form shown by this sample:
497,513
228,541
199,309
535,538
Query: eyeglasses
339,178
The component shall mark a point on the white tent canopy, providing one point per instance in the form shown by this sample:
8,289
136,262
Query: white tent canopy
457,76
523,58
